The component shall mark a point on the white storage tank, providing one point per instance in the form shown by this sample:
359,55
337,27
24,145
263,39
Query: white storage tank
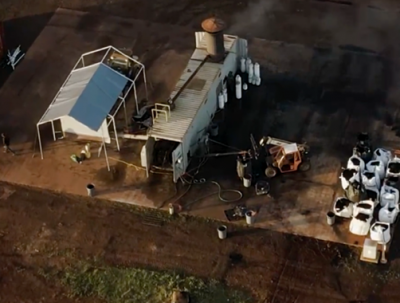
238,87
221,101
257,70
248,62
243,65
225,94
251,73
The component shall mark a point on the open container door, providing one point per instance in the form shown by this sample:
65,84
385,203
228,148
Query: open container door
178,162
149,154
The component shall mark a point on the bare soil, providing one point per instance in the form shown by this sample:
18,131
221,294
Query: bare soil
41,230
37,228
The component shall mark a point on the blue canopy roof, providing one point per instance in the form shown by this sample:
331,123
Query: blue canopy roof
87,96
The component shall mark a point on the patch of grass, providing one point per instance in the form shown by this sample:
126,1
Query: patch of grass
117,285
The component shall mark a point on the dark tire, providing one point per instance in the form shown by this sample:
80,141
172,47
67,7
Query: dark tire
305,166
271,172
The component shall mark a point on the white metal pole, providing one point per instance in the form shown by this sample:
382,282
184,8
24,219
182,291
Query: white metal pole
105,55
137,103
52,129
105,149
40,140
145,83
115,132
126,115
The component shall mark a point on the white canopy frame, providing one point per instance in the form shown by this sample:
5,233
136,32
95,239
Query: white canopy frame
122,98
107,50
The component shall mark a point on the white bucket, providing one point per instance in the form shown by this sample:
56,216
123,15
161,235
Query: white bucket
250,217
330,218
171,210
222,232
247,180
90,190
221,101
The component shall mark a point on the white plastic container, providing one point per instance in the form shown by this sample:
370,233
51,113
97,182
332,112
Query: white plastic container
245,86
222,232
247,181
330,218
355,162
88,154
171,209
243,65
377,166
370,249
257,70
387,215
258,81
347,176
391,170
221,101
251,73
371,179
389,195
225,94
248,62
250,217
380,232
383,155
90,189
238,87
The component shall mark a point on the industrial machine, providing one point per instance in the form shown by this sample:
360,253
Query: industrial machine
284,156
120,63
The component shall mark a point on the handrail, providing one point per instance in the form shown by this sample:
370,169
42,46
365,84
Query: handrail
161,108
155,113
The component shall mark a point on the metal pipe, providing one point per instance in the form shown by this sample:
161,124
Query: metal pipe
52,128
105,149
137,104
115,132
126,115
40,140
96,51
105,56
226,154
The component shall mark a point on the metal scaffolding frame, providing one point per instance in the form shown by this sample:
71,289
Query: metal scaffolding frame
122,98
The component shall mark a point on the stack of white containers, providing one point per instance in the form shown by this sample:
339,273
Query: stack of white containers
254,76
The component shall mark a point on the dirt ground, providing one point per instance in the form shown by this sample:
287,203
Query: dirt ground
36,227
275,267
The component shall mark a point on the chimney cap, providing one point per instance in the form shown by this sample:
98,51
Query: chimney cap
213,25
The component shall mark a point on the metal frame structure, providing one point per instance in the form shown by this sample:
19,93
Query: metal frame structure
81,62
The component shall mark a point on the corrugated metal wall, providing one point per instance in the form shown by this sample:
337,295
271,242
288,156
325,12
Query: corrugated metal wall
206,112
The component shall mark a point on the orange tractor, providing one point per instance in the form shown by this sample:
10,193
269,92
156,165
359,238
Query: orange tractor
284,157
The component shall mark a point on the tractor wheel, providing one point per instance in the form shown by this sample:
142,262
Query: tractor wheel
270,172
304,166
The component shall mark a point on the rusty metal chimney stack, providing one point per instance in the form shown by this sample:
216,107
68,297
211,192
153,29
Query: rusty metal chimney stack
214,28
